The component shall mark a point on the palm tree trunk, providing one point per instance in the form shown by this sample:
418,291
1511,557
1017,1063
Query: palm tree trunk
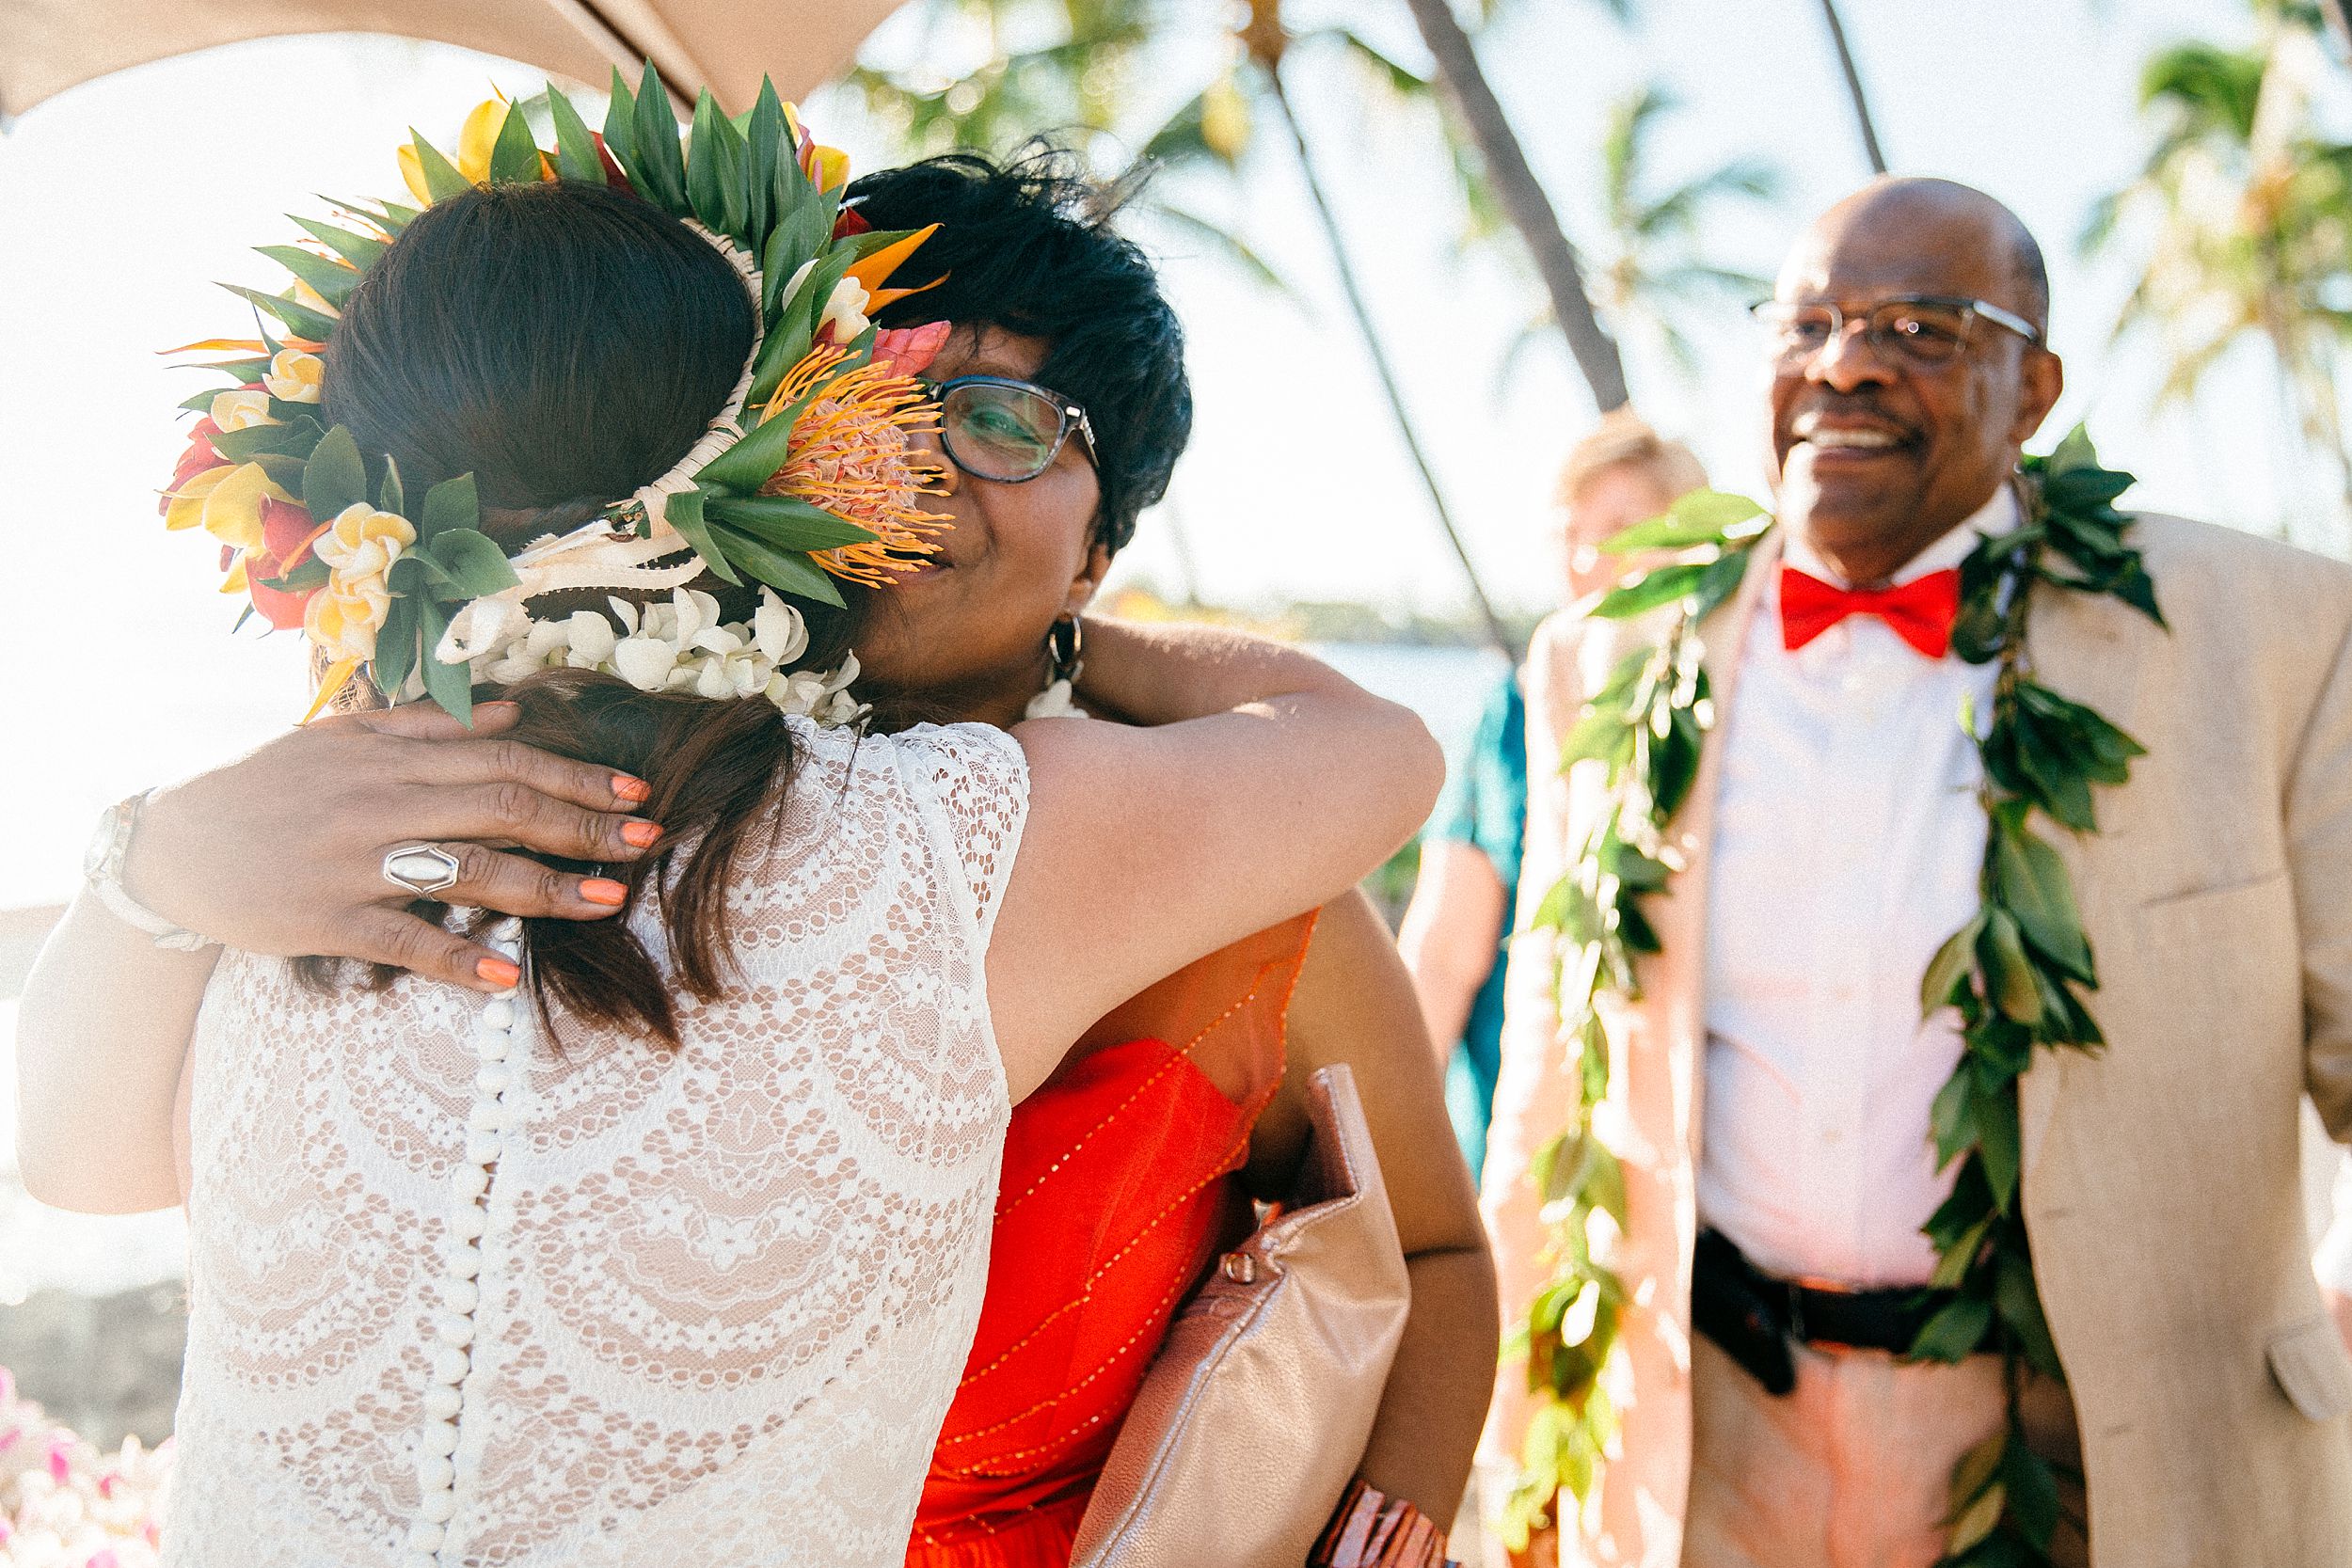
1355,295
1523,199
1853,88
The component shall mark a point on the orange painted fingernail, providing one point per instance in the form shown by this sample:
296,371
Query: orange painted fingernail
498,971
640,835
626,789
605,890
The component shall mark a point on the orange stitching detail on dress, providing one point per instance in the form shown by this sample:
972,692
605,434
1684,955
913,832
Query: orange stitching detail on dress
1157,1318
1179,1054
1086,1293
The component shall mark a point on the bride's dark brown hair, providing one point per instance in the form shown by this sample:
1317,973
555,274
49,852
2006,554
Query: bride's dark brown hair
566,344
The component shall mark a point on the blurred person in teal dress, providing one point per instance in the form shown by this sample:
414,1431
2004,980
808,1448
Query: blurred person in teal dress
1622,473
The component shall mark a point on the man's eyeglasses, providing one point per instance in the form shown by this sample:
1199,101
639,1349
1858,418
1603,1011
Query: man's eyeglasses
995,427
1922,329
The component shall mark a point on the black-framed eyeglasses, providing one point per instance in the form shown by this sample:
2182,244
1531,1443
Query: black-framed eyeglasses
1923,329
1010,431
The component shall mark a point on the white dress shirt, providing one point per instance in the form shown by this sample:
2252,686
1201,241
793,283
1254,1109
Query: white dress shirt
1848,842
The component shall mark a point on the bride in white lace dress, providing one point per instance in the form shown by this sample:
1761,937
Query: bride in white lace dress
671,1252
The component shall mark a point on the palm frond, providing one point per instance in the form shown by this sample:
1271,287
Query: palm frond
1229,246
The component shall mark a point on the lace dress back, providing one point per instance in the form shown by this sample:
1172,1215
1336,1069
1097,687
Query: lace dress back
470,1288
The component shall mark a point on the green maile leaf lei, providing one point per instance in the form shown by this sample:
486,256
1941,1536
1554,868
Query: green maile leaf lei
2017,973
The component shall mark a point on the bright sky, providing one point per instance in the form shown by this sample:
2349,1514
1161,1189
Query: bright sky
121,200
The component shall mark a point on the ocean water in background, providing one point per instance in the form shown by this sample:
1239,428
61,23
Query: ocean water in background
1445,686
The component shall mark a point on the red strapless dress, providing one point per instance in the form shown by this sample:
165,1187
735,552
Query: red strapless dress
1121,1184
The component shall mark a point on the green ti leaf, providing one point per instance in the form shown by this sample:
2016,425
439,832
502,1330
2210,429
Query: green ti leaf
1599,735
1647,591
449,685
714,169
620,124
767,138
1995,1114
1955,1332
453,503
1701,517
2032,883
2020,1305
575,145
396,644
515,155
441,178
333,280
660,171
786,573
335,478
360,250
392,497
684,512
1949,969
752,461
787,522
2008,972
471,562
297,317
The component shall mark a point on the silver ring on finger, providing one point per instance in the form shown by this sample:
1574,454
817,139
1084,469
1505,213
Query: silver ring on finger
423,869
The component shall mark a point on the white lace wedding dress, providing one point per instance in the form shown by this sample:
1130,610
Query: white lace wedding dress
466,1294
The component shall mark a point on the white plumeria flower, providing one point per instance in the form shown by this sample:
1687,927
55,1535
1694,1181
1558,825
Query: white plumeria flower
243,409
294,375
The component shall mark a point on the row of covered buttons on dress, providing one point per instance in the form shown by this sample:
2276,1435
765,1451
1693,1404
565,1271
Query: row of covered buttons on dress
452,1350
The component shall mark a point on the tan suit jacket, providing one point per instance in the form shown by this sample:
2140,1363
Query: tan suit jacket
2160,1179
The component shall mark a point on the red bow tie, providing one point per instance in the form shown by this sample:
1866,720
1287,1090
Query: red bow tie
1921,610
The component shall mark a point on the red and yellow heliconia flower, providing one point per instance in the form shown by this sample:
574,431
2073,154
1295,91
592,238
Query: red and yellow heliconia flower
854,452
287,535
827,168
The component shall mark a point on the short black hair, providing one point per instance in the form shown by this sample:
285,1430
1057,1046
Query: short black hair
1026,244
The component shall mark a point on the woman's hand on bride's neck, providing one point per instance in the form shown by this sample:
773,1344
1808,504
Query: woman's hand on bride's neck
965,639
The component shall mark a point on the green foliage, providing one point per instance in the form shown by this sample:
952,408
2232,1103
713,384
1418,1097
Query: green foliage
1644,728
2018,970
334,478
2238,227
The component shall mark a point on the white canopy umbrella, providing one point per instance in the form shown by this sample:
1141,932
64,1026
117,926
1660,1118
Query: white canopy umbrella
47,46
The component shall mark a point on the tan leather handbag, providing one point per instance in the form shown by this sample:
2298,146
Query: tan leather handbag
1252,1418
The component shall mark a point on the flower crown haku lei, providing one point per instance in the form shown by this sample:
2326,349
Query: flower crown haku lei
810,472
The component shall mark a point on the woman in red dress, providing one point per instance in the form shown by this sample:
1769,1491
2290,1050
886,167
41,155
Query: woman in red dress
1136,1164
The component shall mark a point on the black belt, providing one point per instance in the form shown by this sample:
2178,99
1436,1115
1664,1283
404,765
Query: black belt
1753,1316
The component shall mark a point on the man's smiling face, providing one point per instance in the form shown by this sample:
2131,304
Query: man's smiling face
1879,455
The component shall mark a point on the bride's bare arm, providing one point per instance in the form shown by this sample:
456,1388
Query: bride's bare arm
1268,787
282,852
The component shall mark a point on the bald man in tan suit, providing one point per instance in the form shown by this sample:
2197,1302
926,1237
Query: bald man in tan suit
1770,1086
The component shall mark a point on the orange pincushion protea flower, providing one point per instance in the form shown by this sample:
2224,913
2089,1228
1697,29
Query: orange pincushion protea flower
854,452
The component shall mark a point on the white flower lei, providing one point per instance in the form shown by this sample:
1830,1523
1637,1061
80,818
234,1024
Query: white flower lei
678,646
